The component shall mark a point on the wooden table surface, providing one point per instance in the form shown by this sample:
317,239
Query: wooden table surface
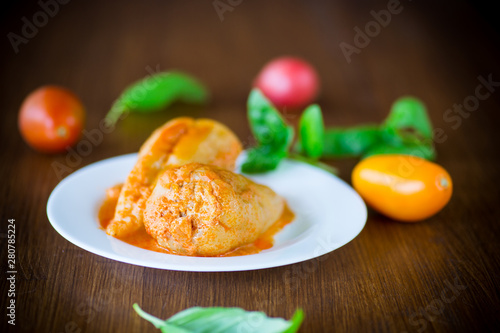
439,275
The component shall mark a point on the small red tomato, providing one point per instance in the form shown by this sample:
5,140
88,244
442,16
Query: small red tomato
288,82
51,119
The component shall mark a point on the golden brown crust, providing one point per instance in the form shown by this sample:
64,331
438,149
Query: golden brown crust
204,210
179,141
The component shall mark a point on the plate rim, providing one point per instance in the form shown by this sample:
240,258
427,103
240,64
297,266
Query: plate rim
165,265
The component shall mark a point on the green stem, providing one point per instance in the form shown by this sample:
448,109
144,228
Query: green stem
157,322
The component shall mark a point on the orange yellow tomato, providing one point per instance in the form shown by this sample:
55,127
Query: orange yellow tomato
402,187
51,119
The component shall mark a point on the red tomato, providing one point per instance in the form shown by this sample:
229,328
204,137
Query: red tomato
51,119
288,82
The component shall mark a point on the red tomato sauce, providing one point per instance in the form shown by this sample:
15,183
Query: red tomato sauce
142,239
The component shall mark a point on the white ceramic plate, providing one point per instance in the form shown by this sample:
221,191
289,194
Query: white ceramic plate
328,214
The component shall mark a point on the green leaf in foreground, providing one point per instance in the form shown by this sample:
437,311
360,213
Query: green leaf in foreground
312,131
156,92
223,320
274,136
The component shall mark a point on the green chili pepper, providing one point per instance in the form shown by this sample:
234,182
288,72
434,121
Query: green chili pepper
312,131
350,142
157,92
272,133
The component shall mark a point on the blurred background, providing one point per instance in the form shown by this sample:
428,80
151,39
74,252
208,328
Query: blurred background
434,50
431,50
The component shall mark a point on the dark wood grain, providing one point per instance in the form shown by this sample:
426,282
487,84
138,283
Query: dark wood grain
440,275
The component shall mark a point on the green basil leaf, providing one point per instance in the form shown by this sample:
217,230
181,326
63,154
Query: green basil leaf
425,151
350,142
262,159
267,125
274,136
157,322
407,123
312,131
156,92
295,321
223,320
